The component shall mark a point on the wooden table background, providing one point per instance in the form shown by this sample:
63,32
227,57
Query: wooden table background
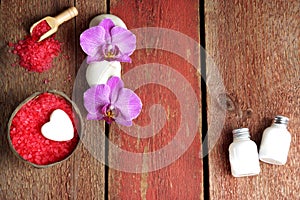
255,45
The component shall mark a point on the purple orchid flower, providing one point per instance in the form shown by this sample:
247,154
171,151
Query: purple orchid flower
107,42
112,102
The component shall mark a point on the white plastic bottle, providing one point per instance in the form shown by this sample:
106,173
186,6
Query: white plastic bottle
243,155
275,142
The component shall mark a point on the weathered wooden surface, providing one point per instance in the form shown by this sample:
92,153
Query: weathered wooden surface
255,45
90,177
183,178
66,180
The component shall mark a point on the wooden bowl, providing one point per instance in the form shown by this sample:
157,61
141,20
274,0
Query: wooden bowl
78,125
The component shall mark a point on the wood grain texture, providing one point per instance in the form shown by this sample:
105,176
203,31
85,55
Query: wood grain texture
64,181
256,48
183,178
90,171
255,45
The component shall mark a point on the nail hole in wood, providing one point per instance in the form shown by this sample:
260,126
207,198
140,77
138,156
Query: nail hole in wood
249,113
226,102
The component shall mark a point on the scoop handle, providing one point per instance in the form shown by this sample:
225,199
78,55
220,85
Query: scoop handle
66,15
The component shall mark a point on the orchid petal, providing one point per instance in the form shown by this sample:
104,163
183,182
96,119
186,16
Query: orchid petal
123,122
96,97
115,84
107,25
128,104
124,39
95,116
98,57
92,39
122,58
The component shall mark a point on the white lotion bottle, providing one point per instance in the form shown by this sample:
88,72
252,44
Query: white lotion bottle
243,155
275,142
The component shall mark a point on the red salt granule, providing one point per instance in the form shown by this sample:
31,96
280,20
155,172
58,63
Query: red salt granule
25,130
37,56
10,44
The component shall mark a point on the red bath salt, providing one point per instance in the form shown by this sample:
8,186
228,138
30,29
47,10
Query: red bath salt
37,56
25,130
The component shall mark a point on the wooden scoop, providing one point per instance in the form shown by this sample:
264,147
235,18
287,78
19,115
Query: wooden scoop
54,22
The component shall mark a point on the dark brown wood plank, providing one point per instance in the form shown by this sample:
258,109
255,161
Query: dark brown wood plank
183,178
255,45
81,176
90,171
19,181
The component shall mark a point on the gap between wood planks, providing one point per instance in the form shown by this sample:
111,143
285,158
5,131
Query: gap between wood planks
107,128
204,129
203,108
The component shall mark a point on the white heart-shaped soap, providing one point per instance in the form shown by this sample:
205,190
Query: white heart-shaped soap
116,20
59,128
100,72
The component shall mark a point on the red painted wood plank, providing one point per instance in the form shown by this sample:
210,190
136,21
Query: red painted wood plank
182,179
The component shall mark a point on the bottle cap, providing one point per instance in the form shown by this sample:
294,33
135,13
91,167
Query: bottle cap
241,132
279,119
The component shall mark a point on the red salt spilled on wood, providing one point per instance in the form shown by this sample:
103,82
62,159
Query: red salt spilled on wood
25,130
37,56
